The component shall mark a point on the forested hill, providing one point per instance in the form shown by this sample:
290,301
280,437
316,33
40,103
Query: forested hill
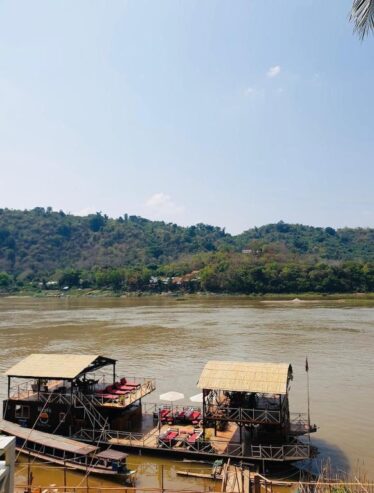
41,241
324,243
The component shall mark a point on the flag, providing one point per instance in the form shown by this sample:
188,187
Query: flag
306,364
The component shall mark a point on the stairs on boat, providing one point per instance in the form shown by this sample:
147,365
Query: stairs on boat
96,419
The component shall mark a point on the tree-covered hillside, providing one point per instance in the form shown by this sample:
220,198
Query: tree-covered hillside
325,243
40,241
133,253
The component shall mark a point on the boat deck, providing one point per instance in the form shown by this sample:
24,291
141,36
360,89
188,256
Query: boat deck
60,393
152,439
187,441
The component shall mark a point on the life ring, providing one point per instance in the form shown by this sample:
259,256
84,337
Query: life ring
44,418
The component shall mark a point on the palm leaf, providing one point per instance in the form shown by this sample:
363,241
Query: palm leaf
362,16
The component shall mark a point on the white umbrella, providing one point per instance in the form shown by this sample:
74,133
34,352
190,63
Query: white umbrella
197,398
171,396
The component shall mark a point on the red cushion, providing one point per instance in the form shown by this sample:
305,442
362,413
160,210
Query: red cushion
192,438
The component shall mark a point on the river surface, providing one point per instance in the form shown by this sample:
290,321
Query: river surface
171,339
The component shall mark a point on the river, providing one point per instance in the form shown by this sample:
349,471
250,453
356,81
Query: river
171,339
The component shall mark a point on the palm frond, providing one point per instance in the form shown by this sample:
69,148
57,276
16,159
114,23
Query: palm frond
362,16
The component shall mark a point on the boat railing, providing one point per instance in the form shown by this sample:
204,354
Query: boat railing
258,416
103,380
298,418
146,386
23,390
213,446
107,435
59,394
299,424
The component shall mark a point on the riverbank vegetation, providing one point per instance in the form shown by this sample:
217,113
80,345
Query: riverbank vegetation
44,250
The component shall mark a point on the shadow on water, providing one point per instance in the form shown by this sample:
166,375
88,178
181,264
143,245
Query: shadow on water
329,457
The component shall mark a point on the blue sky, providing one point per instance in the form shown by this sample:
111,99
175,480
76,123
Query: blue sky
233,113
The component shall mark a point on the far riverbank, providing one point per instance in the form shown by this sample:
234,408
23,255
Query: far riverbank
184,296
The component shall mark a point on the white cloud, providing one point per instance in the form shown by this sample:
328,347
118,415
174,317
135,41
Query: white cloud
273,71
162,206
85,211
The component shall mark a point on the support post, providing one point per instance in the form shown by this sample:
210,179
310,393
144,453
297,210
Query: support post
29,478
308,389
257,485
203,414
8,387
64,476
114,373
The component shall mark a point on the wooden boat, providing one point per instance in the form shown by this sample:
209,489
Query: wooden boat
69,453
216,472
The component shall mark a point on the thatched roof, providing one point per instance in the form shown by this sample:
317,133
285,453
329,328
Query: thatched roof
57,366
263,378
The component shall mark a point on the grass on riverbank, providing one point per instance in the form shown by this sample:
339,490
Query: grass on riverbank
105,293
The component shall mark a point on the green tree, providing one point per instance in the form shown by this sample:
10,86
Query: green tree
97,222
362,16
5,280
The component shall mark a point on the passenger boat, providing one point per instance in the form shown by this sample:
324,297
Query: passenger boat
244,412
70,453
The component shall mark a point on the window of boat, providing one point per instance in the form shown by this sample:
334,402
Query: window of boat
48,451
58,452
22,411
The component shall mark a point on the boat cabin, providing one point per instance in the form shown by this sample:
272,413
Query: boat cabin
252,395
62,393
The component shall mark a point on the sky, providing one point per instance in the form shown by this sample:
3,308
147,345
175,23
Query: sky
231,113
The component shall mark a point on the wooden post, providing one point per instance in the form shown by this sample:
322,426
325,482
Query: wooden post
64,476
203,414
29,474
114,373
8,388
257,485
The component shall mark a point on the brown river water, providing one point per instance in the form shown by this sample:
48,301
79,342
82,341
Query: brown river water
171,339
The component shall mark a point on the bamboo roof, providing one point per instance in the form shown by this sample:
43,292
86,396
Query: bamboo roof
111,454
57,366
47,439
236,376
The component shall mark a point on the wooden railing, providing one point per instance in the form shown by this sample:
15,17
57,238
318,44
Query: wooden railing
212,447
299,425
25,391
255,416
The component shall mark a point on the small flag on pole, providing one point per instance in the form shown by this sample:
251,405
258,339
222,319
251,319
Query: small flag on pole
306,364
